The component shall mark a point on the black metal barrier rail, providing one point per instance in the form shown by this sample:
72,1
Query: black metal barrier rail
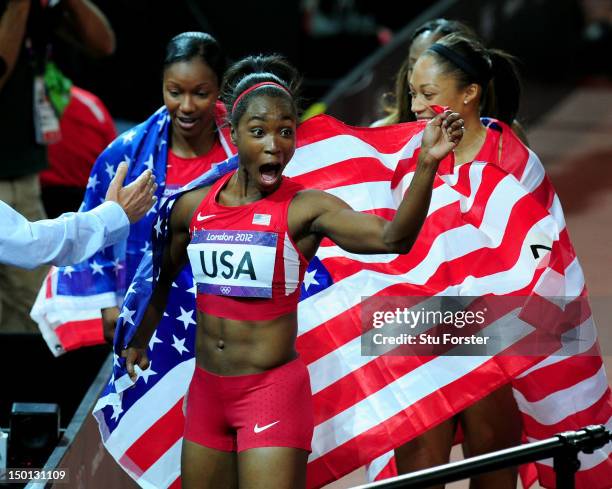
562,448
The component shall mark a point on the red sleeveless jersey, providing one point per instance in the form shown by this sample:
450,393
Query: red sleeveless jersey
244,262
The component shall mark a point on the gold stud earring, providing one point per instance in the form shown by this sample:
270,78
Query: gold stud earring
465,102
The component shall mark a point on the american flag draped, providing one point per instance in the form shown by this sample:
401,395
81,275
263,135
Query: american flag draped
68,305
477,240
563,391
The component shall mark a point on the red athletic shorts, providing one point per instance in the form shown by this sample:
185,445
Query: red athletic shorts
236,413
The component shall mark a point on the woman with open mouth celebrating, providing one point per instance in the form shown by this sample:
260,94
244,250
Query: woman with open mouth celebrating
249,238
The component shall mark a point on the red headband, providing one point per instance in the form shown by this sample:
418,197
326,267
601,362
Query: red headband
257,85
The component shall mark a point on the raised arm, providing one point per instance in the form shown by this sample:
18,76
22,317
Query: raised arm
173,260
91,26
12,30
357,232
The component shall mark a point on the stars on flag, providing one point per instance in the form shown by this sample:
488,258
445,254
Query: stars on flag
158,226
179,345
96,268
128,137
146,373
110,170
154,340
68,270
131,289
162,122
117,410
117,266
127,315
126,159
309,279
93,182
316,279
193,289
149,162
186,317
153,209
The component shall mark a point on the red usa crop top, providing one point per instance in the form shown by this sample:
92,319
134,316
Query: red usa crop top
244,262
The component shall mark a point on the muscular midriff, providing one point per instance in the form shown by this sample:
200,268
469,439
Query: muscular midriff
232,347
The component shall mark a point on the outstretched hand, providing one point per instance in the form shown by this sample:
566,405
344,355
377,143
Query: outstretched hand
135,198
442,134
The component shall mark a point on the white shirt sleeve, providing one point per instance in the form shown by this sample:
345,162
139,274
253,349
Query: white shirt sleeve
71,238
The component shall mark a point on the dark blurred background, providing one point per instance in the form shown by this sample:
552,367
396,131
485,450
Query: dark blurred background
324,39
556,42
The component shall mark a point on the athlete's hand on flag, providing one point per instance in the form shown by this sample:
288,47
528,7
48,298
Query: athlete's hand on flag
135,356
442,134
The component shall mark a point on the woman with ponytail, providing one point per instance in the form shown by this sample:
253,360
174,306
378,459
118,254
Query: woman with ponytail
458,72
397,104
249,238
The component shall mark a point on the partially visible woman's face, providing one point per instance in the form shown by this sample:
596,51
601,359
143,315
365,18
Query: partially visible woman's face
418,47
430,86
265,138
190,92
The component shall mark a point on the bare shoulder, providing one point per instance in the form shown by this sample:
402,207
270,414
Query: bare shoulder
186,205
310,198
313,202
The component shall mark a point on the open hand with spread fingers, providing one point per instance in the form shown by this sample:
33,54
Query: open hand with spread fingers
137,197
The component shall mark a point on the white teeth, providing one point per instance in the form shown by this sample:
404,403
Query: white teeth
186,123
